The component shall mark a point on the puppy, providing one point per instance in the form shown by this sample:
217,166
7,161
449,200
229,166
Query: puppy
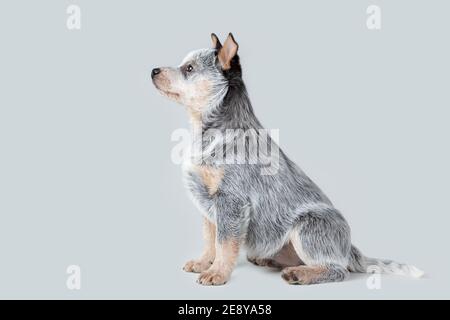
280,216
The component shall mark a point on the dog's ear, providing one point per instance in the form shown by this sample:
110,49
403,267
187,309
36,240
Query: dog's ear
215,42
227,52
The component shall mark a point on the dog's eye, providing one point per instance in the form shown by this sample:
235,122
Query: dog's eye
189,68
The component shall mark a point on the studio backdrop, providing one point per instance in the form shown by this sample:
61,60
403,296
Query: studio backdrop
92,203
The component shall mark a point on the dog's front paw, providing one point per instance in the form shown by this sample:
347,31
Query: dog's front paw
212,278
197,266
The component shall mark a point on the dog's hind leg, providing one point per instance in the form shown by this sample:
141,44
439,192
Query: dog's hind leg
321,239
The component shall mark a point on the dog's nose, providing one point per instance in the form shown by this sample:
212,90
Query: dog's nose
155,72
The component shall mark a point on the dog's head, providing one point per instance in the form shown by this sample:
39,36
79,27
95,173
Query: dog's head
203,77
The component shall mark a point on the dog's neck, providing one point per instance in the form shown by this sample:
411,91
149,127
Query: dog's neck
235,111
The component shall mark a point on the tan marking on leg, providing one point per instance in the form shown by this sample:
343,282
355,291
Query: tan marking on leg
303,274
220,271
212,177
209,249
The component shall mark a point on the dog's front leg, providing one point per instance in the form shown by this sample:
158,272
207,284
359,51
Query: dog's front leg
229,226
209,249
220,271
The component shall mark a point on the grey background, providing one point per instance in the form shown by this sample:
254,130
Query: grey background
85,171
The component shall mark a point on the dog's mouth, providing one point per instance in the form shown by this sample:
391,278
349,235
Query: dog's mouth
169,94
164,92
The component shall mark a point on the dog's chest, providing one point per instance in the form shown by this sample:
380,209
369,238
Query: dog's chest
208,177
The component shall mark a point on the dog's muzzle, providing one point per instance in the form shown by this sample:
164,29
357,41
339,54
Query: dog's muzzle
155,72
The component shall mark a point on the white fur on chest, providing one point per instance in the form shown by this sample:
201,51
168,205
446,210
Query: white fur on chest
188,168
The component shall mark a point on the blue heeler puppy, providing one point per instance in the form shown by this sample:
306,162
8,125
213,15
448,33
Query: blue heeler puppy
281,217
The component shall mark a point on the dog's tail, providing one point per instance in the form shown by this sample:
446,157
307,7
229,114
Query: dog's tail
360,263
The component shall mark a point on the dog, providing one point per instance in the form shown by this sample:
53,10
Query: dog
282,219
